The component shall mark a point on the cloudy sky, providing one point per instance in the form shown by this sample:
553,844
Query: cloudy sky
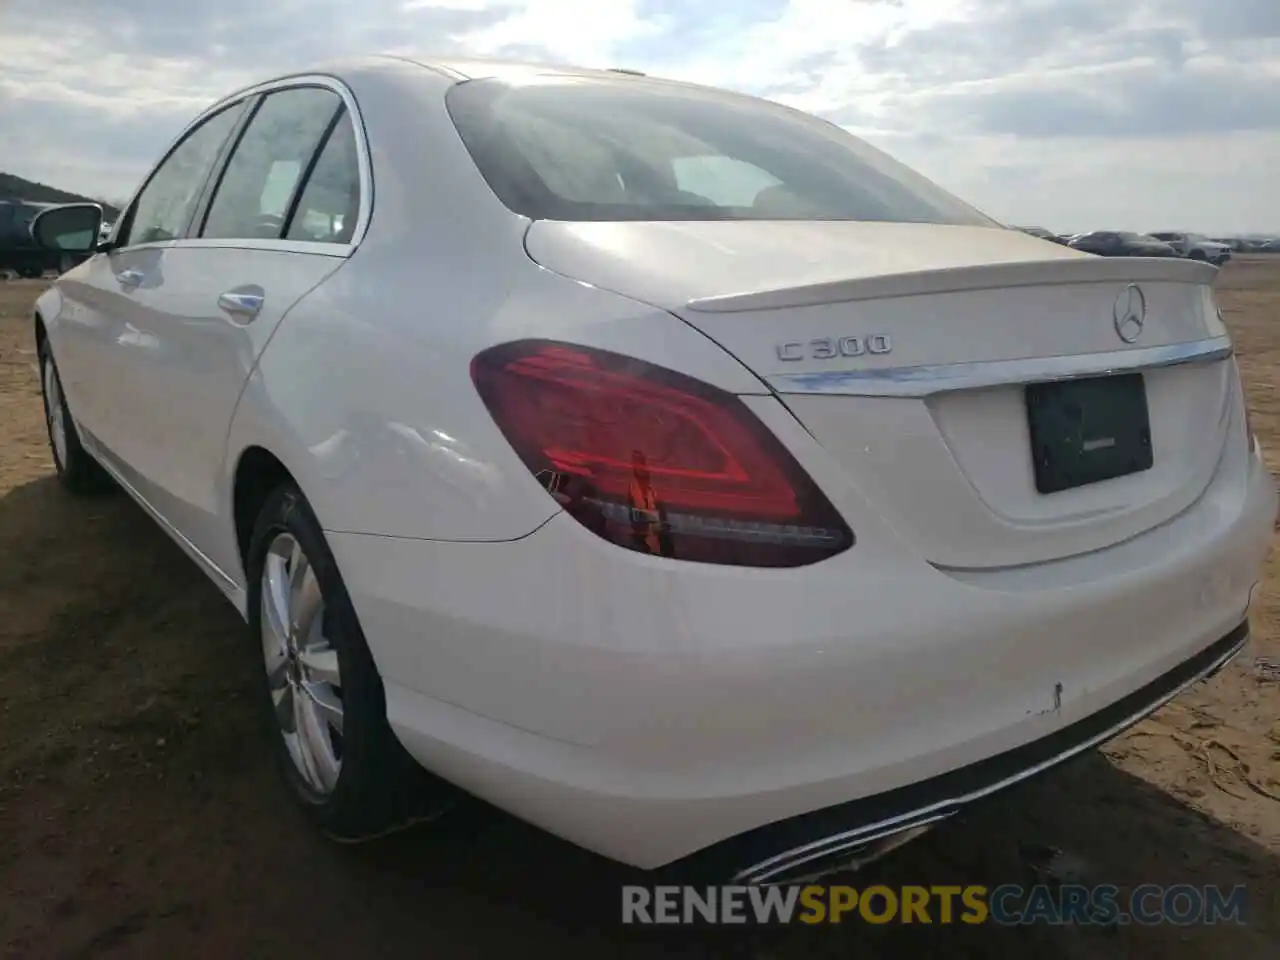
1138,114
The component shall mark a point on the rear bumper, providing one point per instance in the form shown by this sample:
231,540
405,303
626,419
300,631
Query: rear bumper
648,709
855,832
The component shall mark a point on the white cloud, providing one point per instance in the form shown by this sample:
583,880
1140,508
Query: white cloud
588,35
775,53
1071,113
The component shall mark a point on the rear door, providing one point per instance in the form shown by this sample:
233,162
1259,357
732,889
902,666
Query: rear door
280,218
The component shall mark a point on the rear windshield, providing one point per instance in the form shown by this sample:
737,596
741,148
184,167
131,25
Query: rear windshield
572,149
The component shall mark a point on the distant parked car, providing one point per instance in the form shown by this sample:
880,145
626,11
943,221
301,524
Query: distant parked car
1042,233
1118,243
1195,246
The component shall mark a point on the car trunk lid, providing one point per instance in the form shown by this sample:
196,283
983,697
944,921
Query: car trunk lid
917,356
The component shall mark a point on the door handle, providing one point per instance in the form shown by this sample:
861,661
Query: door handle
129,278
242,304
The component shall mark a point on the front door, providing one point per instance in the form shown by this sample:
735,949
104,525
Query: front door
112,300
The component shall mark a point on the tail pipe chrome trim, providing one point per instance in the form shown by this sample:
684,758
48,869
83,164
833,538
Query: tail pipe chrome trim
927,380
855,847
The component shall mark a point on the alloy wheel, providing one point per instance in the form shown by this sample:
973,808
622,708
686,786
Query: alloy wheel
303,670
55,413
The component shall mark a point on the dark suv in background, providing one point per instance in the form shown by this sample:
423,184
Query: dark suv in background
18,250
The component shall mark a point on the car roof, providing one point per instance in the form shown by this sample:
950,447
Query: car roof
484,68
462,69
480,68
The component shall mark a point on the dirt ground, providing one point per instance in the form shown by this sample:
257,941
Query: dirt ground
140,817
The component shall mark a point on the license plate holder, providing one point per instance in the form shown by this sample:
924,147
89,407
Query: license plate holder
1088,430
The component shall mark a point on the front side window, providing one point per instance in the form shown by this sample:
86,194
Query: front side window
165,205
562,148
252,200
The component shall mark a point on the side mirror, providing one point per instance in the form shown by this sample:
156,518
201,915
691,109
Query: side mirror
71,228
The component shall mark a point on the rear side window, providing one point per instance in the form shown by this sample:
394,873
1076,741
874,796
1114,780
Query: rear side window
330,202
263,174
564,148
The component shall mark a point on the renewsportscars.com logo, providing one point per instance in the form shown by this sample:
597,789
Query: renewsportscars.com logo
1006,905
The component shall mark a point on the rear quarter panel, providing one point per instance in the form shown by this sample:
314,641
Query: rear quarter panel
364,392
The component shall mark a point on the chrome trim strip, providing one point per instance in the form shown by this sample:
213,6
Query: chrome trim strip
779,863
927,380
313,247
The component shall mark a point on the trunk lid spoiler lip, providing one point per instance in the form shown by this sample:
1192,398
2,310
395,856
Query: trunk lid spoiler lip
1085,269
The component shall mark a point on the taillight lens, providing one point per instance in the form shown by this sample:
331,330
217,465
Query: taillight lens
655,461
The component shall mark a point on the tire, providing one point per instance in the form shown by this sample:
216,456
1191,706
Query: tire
322,698
77,471
1196,255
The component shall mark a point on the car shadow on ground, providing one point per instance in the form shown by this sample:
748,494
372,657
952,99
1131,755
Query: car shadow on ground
139,810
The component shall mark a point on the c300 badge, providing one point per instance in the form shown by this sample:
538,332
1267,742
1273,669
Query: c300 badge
829,348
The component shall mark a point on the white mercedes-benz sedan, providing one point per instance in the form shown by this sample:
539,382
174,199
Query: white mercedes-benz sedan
665,466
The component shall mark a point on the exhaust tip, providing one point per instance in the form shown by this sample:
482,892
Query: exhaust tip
842,860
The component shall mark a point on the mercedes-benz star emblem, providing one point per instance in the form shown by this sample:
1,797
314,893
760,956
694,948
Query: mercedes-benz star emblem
1130,313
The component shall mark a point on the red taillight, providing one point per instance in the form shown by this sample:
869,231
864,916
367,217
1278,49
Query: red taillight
653,460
